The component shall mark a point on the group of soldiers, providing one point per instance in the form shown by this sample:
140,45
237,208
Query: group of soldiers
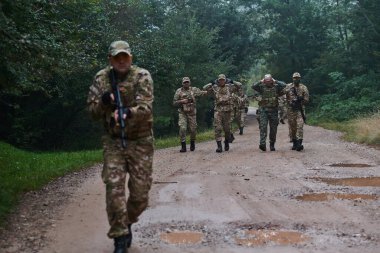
277,100
121,97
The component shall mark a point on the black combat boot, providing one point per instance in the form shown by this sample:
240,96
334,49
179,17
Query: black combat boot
282,121
232,138
183,149
299,145
219,149
294,144
271,146
120,244
241,130
226,145
263,147
128,240
192,145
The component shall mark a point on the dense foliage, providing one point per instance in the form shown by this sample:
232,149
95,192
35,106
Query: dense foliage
50,51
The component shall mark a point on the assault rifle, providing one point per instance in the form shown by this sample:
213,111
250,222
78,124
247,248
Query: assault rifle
297,104
121,110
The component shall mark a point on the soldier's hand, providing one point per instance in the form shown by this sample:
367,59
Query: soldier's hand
185,101
126,114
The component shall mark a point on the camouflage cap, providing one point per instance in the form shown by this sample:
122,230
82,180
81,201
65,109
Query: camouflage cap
186,79
296,74
118,47
268,78
222,76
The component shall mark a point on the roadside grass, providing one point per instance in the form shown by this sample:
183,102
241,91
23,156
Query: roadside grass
363,130
22,171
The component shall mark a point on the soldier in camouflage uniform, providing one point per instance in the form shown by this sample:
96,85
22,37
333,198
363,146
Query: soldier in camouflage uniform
136,91
235,88
184,99
297,95
282,108
222,111
269,90
243,110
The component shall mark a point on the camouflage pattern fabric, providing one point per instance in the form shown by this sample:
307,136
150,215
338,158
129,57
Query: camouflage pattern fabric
136,91
187,112
222,109
236,89
282,107
295,120
268,115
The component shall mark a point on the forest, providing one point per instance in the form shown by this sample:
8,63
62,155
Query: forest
51,50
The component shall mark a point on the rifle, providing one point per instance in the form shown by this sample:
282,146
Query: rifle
119,107
297,104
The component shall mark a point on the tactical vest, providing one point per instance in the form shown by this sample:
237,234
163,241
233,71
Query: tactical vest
269,97
223,98
189,107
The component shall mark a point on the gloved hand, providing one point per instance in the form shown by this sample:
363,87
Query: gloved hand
106,98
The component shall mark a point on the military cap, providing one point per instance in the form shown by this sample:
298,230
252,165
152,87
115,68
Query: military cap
118,47
222,76
296,74
185,79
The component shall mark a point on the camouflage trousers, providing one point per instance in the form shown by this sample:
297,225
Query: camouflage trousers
222,122
268,115
295,123
282,111
136,160
236,116
184,121
243,116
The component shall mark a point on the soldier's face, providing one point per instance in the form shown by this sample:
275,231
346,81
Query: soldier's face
222,82
296,80
186,84
121,62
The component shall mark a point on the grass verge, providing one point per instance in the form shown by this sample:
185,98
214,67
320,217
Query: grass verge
361,130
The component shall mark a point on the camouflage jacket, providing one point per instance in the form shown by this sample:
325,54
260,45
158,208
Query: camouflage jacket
136,91
244,102
269,94
301,91
191,93
224,98
235,88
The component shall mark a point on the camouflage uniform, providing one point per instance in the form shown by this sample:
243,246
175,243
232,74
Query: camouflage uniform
282,108
222,110
235,88
295,119
268,110
187,113
136,91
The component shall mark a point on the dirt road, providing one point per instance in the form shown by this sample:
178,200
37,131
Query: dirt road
323,199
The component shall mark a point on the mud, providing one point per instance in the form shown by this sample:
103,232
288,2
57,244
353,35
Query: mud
351,165
253,238
334,196
358,182
182,237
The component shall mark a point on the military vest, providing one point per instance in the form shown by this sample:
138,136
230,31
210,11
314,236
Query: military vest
188,108
269,97
223,98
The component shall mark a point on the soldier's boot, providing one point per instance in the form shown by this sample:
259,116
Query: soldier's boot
219,149
232,138
282,121
299,145
271,146
129,236
183,148
226,145
263,147
241,130
294,144
192,145
120,244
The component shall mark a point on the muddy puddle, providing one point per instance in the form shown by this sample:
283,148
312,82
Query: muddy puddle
182,237
263,237
359,181
350,165
332,196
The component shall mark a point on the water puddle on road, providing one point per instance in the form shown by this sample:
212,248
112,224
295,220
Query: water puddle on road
182,237
350,165
332,196
263,237
356,181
